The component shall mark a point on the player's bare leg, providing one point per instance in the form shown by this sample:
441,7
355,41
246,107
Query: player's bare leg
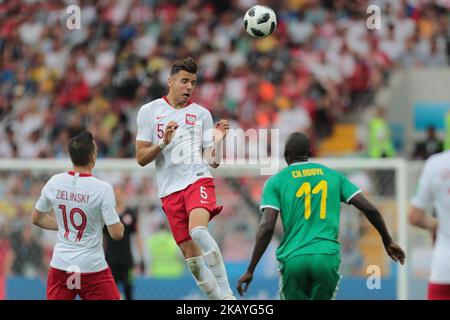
201,273
198,222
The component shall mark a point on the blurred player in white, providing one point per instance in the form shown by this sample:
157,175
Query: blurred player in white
178,134
82,204
434,192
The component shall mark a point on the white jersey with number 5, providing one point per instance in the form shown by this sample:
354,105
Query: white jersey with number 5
83,205
434,191
180,163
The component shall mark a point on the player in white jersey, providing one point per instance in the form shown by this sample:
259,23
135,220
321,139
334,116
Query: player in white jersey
434,192
82,205
178,134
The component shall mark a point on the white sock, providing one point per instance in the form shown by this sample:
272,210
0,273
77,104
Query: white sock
204,278
213,258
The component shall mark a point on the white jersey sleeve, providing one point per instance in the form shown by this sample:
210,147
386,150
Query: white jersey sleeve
109,213
207,125
145,125
44,204
423,198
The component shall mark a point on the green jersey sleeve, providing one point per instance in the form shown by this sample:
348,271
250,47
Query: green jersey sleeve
348,189
270,196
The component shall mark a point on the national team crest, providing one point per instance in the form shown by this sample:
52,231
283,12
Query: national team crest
190,119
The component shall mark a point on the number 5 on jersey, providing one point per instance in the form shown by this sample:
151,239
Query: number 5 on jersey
78,227
203,194
160,131
305,189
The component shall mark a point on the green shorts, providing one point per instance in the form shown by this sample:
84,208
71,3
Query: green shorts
310,277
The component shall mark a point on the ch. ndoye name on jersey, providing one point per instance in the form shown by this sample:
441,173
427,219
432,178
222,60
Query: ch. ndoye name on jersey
307,173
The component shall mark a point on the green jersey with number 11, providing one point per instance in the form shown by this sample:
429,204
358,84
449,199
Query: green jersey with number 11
308,196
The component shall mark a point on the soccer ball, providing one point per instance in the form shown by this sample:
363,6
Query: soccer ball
260,21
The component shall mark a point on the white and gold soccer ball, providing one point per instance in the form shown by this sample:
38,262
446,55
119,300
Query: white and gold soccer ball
260,21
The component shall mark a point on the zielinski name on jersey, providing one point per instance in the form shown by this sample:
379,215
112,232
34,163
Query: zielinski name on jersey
72,196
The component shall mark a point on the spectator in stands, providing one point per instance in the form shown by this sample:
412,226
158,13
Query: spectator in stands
436,56
119,254
380,141
8,146
447,131
28,253
429,146
128,52
165,258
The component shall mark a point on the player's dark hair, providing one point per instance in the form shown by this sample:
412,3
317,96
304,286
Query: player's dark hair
81,148
297,148
187,64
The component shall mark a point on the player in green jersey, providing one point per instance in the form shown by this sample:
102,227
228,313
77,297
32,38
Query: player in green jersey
309,197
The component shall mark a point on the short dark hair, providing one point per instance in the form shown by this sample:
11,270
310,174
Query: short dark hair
297,148
81,148
187,64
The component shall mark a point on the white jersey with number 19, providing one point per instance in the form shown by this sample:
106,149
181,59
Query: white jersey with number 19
83,204
434,191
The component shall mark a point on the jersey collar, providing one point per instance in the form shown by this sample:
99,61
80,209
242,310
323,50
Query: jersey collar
82,175
295,163
187,104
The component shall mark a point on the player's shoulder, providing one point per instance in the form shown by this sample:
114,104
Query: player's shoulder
152,105
101,184
199,108
330,171
278,177
439,158
58,178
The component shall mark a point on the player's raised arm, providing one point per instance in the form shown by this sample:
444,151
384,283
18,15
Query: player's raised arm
146,152
375,218
213,154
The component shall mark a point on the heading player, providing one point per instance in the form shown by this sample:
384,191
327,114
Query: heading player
82,204
308,196
178,134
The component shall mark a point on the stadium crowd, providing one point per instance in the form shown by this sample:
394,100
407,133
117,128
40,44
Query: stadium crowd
322,61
